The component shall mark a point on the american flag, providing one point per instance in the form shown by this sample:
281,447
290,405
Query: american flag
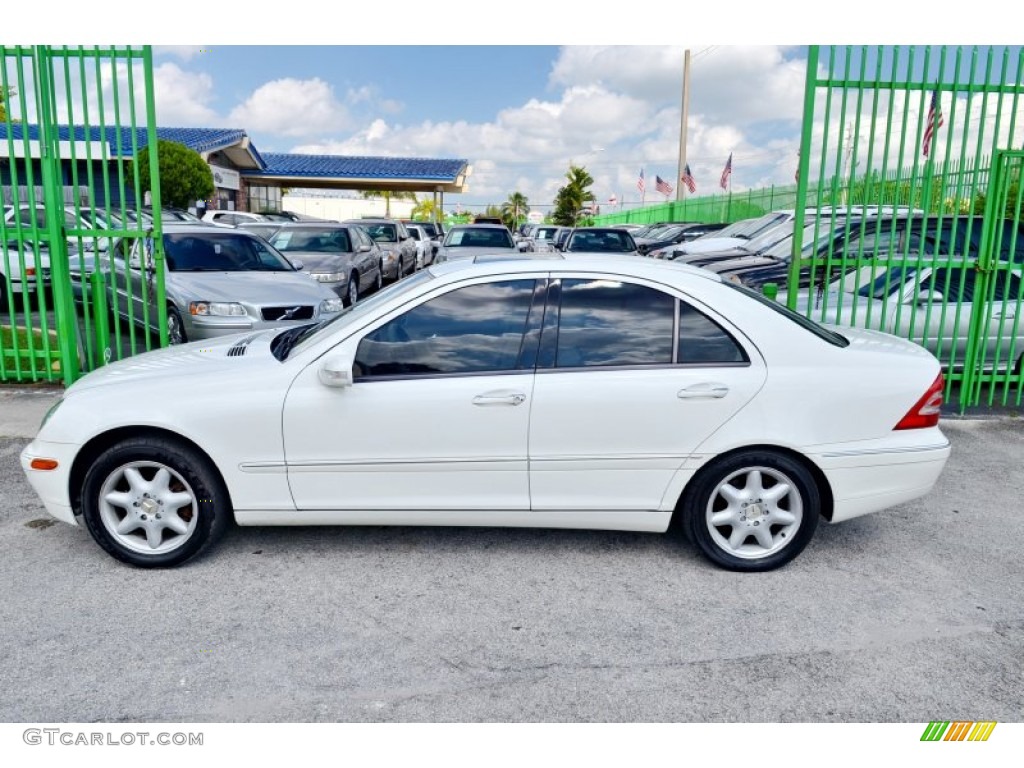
640,182
726,173
662,186
934,122
687,179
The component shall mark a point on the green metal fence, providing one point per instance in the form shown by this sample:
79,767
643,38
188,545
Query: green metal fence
934,131
73,208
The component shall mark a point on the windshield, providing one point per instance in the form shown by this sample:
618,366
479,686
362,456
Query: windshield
749,228
479,237
783,249
312,334
545,233
382,233
320,240
600,241
227,252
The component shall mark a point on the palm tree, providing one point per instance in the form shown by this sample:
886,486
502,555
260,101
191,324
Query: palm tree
388,195
514,210
573,197
6,93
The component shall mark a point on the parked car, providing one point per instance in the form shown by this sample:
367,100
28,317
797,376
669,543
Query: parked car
601,240
395,242
879,233
932,305
586,392
542,239
342,257
468,240
424,245
218,282
663,246
735,234
232,218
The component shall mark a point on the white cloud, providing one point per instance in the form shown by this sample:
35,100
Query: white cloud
290,107
183,97
614,110
183,52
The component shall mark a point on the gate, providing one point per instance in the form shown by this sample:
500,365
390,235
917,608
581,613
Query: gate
73,123
913,155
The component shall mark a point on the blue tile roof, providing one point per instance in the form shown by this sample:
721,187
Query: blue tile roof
342,166
199,139
271,164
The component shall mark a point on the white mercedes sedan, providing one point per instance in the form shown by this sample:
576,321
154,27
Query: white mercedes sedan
570,392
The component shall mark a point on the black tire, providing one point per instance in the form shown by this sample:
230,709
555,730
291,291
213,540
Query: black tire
175,330
378,282
765,519
181,532
351,292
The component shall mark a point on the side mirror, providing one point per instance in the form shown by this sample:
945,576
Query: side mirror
363,249
336,371
523,246
297,264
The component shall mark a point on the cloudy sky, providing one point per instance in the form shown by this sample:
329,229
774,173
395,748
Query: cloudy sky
519,113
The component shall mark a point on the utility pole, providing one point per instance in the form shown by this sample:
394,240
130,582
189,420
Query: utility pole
682,125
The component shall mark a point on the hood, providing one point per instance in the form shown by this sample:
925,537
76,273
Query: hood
316,261
243,351
706,245
272,288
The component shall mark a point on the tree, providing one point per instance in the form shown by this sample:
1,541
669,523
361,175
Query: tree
6,93
514,210
388,195
425,210
184,175
573,197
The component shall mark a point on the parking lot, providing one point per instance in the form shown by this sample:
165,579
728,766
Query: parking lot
909,615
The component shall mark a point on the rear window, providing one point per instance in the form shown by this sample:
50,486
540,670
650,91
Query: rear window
833,338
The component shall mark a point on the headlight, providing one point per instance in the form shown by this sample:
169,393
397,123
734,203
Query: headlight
218,308
331,305
328,277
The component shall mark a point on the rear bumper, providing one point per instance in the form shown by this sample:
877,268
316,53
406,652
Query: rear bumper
872,478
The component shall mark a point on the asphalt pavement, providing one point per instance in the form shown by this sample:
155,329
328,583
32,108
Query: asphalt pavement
909,615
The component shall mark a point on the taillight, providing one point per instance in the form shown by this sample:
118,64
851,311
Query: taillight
925,412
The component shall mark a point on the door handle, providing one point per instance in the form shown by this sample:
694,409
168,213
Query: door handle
707,389
502,399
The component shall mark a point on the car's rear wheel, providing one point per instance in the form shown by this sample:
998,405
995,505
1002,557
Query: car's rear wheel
378,282
752,511
154,503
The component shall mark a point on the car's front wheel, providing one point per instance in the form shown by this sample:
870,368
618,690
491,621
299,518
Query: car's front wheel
352,292
752,511
153,502
175,327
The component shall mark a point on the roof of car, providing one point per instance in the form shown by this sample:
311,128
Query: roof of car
654,269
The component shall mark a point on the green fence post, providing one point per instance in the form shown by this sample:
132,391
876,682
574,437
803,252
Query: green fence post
771,290
101,323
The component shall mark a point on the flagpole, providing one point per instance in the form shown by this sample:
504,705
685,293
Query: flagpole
682,123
